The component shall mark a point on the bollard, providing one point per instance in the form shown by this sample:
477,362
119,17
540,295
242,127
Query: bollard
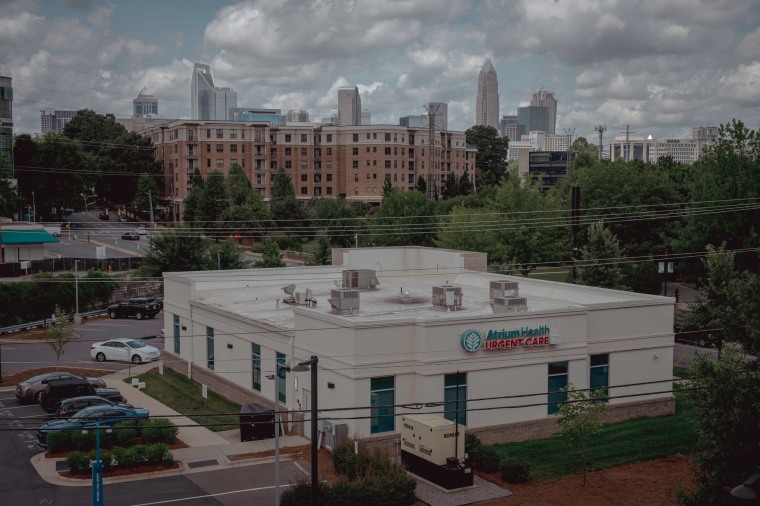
677,294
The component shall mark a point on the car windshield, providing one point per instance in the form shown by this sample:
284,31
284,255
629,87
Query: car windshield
135,344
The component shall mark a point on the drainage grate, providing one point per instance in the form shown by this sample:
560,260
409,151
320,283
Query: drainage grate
202,463
61,466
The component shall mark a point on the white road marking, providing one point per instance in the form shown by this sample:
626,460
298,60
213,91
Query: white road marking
212,495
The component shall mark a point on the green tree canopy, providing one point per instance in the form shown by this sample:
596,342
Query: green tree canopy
491,159
146,185
600,259
271,256
286,210
404,218
175,250
336,217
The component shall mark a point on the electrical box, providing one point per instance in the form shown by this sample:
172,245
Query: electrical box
335,434
362,279
432,438
447,297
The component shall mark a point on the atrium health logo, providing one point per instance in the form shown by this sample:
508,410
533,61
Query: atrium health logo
471,340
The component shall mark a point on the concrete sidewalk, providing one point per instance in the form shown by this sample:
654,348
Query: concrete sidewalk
206,450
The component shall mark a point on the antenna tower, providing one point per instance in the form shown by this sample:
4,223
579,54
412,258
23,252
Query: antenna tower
600,129
569,132
627,154
432,111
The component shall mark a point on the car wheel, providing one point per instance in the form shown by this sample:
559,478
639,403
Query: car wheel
38,396
136,359
112,314
139,315
100,357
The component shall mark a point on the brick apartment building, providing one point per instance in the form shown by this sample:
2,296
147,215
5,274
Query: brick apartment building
322,161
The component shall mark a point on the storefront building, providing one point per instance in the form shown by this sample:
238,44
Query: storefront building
412,330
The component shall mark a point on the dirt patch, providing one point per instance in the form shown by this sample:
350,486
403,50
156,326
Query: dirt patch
296,452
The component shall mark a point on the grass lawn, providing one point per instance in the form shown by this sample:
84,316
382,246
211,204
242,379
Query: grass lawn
619,443
184,396
552,275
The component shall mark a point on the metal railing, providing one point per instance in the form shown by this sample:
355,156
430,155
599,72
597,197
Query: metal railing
41,323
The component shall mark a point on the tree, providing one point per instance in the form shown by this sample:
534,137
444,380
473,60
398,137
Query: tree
192,211
226,255
727,421
337,217
580,420
10,202
599,265
286,210
146,185
175,250
323,255
57,336
213,203
421,185
450,187
491,159
465,184
405,218
387,187
239,187
271,256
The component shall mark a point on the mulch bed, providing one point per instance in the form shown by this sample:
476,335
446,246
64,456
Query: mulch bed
120,472
293,451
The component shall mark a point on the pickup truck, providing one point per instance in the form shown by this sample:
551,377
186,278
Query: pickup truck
53,230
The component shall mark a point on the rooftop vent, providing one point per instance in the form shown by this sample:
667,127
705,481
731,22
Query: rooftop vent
447,297
503,289
509,304
361,279
344,300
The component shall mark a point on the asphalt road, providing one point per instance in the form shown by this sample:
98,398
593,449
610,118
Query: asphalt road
87,232
22,356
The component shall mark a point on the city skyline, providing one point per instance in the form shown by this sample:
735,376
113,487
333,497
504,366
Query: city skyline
661,68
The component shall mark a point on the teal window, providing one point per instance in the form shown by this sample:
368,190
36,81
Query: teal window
557,381
281,376
256,366
599,377
455,397
176,334
210,348
382,399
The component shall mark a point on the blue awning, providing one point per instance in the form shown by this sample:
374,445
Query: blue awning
15,237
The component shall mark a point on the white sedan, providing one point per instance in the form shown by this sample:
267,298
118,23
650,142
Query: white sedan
125,350
140,229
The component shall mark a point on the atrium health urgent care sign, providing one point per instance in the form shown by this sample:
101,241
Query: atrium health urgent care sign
497,340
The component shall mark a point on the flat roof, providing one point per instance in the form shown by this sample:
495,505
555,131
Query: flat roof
258,295
14,237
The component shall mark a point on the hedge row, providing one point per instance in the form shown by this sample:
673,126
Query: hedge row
124,458
158,430
486,459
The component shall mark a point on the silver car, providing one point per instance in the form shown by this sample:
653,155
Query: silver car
124,350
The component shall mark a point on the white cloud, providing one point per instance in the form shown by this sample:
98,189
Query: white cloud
742,85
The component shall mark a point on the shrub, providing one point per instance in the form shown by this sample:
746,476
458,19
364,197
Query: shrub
154,454
167,459
105,457
140,452
257,247
150,433
59,441
169,431
471,443
486,459
514,470
78,462
126,457
300,494
345,461
83,440
125,433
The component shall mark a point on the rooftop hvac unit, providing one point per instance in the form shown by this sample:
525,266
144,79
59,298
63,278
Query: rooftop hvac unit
503,289
335,434
344,300
361,279
509,304
447,297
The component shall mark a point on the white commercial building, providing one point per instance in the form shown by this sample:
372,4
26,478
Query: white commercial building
411,330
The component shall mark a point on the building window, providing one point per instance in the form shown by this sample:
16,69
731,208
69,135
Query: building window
304,190
219,163
329,178
355,164
455,397
557,381
599,377
210,348
208,162
329,139
382,399
219,133
328,151
355,151
387,150
328,164
233,161
176,334
208,148
329,190
288,151
355,137
388,137
304,152
233,134
387,164
303,138
304,177
288,138
220,148
287,164
256,366
304,164
233,148
356,177
282,385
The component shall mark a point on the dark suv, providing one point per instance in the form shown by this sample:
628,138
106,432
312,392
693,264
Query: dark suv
58,390
139,307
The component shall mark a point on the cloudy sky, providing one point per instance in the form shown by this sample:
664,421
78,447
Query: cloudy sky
662,66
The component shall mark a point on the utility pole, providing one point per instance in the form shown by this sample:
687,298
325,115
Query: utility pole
150,203
627,154
432,111
569,132
600,129
34,209
575,215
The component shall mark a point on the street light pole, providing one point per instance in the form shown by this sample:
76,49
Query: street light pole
276,378
311,364
150,203
77,316
97,469
34,208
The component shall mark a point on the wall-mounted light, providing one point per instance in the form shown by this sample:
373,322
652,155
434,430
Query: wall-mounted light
229,346
330,384
184,327
655,356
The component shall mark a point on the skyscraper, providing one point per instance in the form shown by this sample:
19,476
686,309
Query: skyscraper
207,101
532,118
487,103
545,98
144,104
441,115
6,127
349,106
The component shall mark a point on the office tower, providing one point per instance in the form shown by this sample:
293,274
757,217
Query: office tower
416,121
349,106
144,104
6,127
299,116
331,119
441,115
487,103
55,121
366,117
207,101
532,118
508,127
545,98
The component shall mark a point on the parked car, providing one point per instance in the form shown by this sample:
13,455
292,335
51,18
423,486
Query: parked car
70,407
701,338
130,236
30,390
58,390
126,350
112,394
123,219
104,216
140,229
89,418
139,307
